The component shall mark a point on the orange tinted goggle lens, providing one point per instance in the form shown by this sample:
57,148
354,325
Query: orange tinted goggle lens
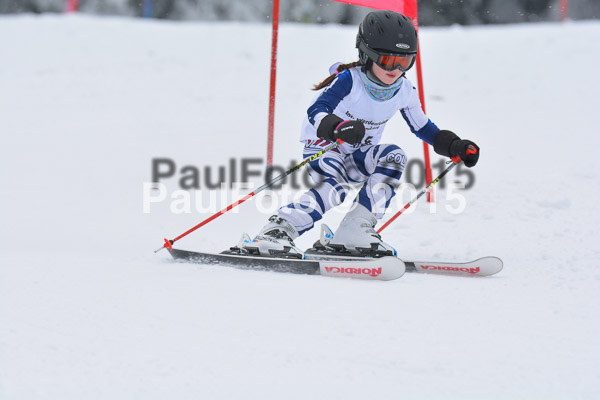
393,62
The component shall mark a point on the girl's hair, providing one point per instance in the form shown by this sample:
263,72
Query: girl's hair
330,78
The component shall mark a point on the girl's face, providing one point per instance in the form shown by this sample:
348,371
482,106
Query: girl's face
387,77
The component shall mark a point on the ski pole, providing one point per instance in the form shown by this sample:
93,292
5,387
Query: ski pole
455,161
169,243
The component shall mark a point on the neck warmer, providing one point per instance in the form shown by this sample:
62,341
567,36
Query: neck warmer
378,91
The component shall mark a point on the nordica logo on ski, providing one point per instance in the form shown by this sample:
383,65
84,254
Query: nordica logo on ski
455,269
354,271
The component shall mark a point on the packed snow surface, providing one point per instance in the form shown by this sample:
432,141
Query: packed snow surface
88,311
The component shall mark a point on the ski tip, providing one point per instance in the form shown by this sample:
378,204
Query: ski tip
497,262
484,266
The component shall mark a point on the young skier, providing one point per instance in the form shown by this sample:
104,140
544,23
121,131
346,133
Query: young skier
354,104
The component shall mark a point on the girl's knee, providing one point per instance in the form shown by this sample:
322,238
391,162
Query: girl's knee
392,157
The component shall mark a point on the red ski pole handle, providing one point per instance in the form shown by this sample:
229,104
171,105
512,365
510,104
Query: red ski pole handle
470,150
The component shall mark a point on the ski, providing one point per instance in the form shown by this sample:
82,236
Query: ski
484,266
382,268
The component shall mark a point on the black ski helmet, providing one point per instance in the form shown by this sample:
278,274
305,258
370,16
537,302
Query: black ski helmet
386,33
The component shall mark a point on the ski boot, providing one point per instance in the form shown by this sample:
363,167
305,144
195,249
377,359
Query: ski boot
355,236
276,239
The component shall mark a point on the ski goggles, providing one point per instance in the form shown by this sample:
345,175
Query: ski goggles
389,61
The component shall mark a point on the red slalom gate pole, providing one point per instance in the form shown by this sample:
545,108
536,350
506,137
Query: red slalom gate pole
563,7
428,174
169,243
454,162
72,5
275,34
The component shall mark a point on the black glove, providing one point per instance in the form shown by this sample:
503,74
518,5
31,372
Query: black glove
466,150
447,143
333,127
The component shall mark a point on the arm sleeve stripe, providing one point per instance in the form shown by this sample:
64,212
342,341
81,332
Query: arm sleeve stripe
409,120
331,96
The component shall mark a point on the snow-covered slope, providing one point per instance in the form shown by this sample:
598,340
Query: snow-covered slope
88,311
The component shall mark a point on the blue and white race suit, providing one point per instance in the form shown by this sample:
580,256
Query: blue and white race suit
353,96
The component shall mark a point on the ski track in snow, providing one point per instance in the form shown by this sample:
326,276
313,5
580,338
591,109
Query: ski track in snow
88,311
